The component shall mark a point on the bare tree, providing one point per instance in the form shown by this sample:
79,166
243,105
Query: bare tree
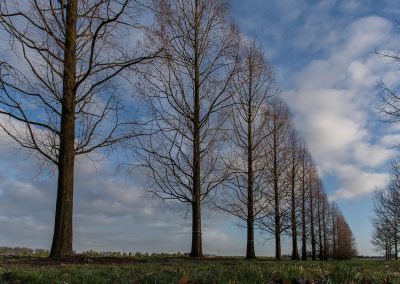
385,202
295,163
382,237
387,214
58,93
186,91
307,183
334,213
313,184
277,220
305,159
243,194
321,212
325,225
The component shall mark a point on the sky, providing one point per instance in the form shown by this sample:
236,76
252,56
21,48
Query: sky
323,55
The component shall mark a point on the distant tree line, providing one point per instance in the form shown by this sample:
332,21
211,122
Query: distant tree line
19,251
204,119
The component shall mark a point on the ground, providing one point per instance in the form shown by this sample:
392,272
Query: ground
183,270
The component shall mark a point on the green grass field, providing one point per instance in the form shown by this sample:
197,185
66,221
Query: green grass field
184,270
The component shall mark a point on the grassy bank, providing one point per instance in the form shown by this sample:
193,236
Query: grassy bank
183,270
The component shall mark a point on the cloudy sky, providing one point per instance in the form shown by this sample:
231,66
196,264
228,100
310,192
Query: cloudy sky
323,53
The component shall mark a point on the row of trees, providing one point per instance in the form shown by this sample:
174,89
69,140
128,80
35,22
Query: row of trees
206,122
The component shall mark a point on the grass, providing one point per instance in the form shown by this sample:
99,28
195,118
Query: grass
184,270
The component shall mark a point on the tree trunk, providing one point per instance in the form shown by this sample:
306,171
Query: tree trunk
196,204
320,252
325,233
396,254
62,237
303,217
197,250
333,235
321,248
386,252
250,253
277,238
295,252
277,209
313,242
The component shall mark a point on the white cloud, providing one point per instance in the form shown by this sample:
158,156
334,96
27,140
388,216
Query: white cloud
334,99
358,182
351,6
390,140
371,155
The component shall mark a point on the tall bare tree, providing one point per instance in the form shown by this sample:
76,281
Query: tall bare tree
386,217
320,196
243,194
295,163
382,237
305,169
334,213
58,93
325,224
313,184
277,220
389,106
186,91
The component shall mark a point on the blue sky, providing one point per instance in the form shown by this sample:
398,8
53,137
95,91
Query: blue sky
323,54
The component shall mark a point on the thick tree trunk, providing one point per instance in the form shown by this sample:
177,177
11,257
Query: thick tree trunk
303,217
277,238
295,252
197,250
62,238
250,252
